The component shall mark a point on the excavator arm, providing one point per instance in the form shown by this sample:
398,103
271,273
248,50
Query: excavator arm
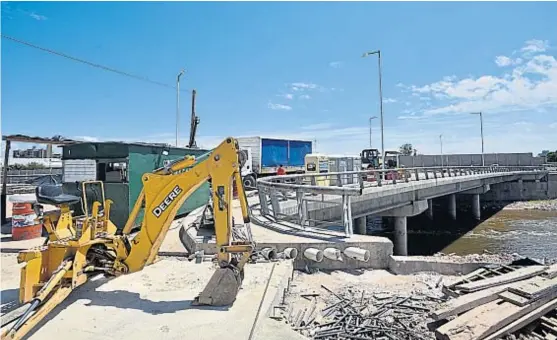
53,271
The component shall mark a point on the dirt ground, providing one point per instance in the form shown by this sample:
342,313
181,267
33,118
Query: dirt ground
152,304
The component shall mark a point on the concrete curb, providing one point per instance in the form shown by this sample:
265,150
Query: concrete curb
406,265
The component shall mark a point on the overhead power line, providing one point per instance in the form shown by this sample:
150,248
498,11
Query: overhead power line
106,68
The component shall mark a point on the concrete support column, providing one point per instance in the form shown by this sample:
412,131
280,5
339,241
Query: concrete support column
430,209
401,236
360,224
476,210
452,206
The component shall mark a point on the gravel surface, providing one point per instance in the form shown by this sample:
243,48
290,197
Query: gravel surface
477,258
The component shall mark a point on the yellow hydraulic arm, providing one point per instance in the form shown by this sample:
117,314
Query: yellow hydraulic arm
91,245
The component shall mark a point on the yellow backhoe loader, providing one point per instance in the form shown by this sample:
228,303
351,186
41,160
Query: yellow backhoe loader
80,246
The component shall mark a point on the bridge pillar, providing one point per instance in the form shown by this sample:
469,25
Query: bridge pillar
360,225
476,209
400,216
401,236
430,209
452,206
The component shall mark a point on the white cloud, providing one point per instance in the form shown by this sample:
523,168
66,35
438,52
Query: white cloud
303,86
389,100
535,46
86,138
286,95
37,16
531,85
274,106
553,125
304,96
336,64
503,61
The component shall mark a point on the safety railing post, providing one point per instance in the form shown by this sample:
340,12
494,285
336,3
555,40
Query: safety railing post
275,203
426,173
300,206
263,203
417,174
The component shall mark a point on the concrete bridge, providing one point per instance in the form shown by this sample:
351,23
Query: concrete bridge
347,198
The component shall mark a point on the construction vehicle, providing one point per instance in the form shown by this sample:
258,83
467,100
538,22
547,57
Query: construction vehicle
370,158
81,246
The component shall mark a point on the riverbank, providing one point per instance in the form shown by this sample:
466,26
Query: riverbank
543,205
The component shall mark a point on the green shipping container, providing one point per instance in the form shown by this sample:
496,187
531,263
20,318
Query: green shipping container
120,166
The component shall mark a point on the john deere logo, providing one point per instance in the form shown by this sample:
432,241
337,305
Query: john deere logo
167,201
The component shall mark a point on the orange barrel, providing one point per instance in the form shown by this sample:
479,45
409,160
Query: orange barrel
25,225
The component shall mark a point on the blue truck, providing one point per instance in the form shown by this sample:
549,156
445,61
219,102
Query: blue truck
264,155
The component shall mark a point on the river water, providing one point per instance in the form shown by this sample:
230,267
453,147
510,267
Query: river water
531,233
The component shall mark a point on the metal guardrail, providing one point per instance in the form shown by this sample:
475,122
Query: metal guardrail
303,189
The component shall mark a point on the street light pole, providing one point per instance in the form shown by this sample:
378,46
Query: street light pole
378,52
441,141
370,119
482,133
178,103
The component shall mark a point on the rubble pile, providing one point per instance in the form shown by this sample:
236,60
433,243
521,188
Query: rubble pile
357,314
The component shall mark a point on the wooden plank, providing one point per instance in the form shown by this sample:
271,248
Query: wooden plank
467,277
551,272
479,323
535,288
523,321
514,298
517,275
466,302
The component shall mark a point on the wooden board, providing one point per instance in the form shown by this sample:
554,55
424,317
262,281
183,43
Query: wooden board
535,288
517,275
514,298
466,302
551,272
485,320
523,321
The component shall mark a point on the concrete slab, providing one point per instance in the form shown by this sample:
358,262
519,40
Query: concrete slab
406,265
155,303
282,235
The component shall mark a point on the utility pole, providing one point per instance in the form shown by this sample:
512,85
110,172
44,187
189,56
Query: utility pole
482,133
378,52
441,141
370,119
178,103
315,146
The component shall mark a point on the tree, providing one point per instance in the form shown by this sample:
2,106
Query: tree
552,156
406,149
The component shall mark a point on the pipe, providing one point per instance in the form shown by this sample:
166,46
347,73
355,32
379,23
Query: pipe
269,253
332,254
313,254
357,253
291,253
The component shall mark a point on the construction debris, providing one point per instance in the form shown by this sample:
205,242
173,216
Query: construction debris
499,305
357,314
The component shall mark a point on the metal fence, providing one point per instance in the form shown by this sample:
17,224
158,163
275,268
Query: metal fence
291,197
21,181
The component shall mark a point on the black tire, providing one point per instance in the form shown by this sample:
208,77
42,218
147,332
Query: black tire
249,182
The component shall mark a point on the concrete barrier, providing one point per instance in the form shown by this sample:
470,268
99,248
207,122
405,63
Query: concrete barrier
357,253
313,254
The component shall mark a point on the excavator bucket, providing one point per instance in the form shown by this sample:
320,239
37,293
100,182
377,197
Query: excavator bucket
221,289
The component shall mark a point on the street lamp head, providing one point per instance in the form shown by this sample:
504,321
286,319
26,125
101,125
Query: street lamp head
373,117
370,53
475,113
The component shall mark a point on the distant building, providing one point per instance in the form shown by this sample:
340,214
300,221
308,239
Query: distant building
35,152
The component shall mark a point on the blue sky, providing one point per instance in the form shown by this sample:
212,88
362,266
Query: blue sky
287,69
